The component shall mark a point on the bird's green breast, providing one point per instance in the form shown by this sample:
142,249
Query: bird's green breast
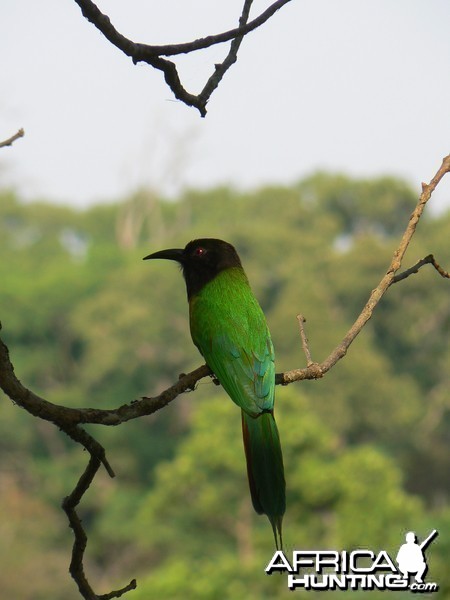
230,330
226,304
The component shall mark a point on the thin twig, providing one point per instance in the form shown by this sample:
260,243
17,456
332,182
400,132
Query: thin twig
428,260
301,321
222,68
96,450
10,141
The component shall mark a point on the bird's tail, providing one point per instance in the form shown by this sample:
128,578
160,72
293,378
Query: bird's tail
265,469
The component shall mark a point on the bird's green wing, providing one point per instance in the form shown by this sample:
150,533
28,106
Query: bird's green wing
238,349
247,375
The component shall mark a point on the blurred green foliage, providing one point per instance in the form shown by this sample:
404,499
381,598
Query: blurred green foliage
89,324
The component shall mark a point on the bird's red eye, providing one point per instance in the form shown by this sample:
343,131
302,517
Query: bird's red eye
199,251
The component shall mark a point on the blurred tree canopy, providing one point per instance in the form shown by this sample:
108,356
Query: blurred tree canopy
89,324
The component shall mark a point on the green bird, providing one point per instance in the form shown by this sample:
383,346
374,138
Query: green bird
230,330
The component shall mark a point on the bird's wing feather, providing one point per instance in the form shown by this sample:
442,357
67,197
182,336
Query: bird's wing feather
230,330
246,374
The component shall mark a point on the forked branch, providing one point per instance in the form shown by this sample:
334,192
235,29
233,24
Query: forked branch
69,505
152,54
428,260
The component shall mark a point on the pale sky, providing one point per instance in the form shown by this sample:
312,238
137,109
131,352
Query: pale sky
359,86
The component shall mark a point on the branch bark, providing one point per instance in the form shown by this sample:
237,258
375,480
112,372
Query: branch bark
70,420
428,260
12,139
69,505
318,370
152,54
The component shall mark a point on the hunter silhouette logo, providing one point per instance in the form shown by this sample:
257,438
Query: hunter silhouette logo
411,558
361,569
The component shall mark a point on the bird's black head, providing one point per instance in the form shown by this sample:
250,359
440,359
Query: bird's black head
201,260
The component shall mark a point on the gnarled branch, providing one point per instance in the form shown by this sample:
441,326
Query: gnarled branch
69,505
152,54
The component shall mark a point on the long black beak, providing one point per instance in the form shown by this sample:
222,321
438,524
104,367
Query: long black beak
171,254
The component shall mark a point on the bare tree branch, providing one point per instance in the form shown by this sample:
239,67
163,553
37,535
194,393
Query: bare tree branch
152,54
341,350
70,420
12,139
67,418
142,52
69,505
